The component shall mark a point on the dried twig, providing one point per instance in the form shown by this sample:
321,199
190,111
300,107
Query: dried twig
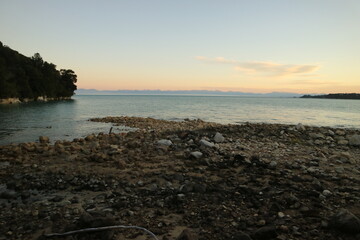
100,229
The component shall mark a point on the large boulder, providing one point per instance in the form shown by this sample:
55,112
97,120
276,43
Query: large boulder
346,222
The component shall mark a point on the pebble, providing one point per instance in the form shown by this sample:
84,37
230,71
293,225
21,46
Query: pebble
326,193
300,127
44,139
354,140
165,142
196,154
206,143
281,214
219,138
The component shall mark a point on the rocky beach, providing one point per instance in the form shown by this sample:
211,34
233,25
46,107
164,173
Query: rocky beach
186,180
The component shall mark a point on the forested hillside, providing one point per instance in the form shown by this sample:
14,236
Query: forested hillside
30,78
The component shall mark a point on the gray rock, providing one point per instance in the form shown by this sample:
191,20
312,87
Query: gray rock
300,127
196,154
164,142
340,132
342,142
219,138
205,143
346,222
319,142
354,140
317,135
273,164
326,193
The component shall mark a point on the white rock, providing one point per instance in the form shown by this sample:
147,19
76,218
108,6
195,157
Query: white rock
218,138
164,142
327,193
300,127
196,154
281,214
205,143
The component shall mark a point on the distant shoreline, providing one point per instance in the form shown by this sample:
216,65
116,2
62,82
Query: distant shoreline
355,96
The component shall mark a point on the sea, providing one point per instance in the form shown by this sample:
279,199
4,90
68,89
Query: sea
69,119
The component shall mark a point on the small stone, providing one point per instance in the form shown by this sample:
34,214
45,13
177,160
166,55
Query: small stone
205,143
281,214
44,139
196,154
319,142
165,142
273,164
317,135
342,142
300,127
340,132
262,222
90,137
327,193
219,138
354,140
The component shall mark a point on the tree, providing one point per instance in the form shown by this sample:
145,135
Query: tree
25,77
68,79
38,60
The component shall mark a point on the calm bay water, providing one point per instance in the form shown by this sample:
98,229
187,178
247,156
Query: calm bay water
69,119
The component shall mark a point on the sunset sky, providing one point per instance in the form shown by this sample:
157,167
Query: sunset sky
303,46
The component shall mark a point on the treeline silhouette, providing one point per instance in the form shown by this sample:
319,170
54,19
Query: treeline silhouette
335,96
30,78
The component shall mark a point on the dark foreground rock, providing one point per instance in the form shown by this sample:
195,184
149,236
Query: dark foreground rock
346,221
185,180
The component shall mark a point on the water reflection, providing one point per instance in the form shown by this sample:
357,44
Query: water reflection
69,119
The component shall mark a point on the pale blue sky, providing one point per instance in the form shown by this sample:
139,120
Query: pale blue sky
261,46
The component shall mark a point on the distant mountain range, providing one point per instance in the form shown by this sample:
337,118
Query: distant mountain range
182,92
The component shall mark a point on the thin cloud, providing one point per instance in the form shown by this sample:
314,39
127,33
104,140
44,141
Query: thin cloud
313,82
264,68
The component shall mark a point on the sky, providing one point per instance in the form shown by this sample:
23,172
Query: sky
260,46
